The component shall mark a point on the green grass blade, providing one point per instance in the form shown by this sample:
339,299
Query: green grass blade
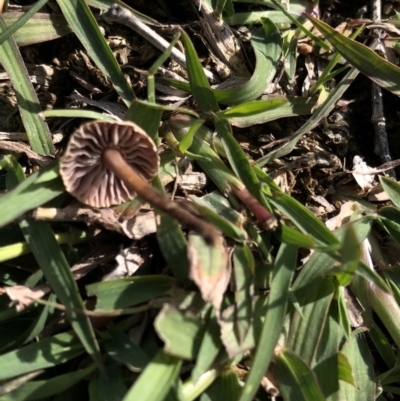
36,190
236,156
296,380
379,70
209,348
291,106
42,389
304,220
358,354
266,44
392,188
326,366
84,25
173,246
42,27
306,329
124,350
198,81
28,102
284,267
122,293
251,108
301,27
55,267
20,21
163,371
181,332
61,347
211,164
290,235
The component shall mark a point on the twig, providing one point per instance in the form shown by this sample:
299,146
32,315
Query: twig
123,16
378,117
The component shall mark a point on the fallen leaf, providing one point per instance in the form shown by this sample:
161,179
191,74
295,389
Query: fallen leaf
209,268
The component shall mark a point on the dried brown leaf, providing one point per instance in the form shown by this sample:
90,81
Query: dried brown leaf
209,268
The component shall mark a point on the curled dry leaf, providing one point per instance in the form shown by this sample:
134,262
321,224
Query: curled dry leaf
209,268
360,168
25,296
128,262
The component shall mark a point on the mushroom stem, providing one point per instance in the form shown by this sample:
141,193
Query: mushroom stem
113,159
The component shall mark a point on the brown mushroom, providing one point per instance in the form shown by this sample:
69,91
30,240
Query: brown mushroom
107,163
84,168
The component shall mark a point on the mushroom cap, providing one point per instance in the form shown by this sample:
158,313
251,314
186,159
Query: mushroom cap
82,169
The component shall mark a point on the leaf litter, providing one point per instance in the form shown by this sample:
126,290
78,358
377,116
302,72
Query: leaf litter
221,285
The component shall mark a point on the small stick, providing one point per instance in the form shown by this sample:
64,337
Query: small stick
378,117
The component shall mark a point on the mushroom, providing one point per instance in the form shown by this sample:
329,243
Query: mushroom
107,163
88,165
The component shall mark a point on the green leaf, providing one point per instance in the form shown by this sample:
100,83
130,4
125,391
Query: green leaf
209,348
345,371
84,25
266,44
111,384
225,226
296,380
42,389
306,329
173,246
290,235
392,188
187,141
181,332
320,263
122,293
237,158
251,108
357,352
300,26
20,20
124,350
326,366
226,387
163,370
372,276
383,346
36,190
198,81
29,30
49,352
146,116
290,106
379,70
28,102
284,267
211,164
351,254
243,274
389,218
